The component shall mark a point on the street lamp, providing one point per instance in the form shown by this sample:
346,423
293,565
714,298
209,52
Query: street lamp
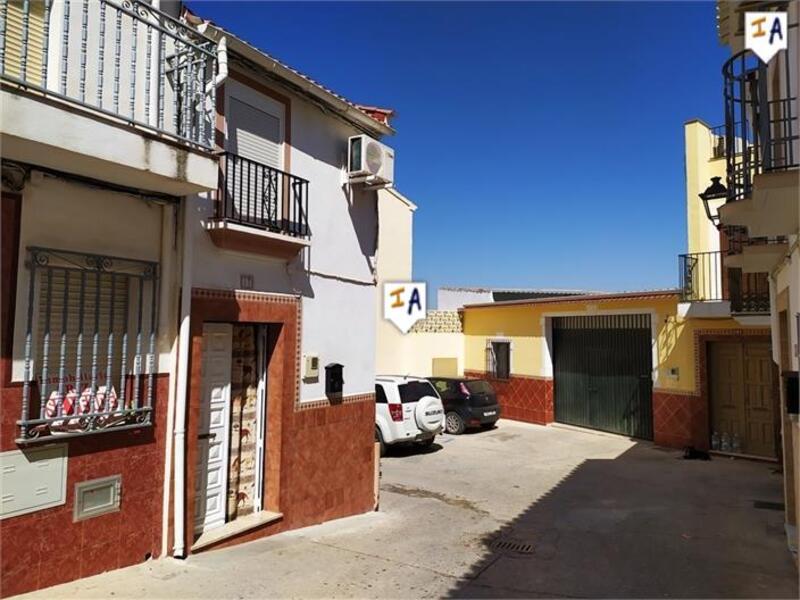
711,199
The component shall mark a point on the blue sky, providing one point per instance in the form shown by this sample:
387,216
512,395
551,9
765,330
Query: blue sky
542,141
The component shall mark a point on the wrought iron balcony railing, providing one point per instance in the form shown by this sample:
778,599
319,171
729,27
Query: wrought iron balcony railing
124,59
90,344
705,278
259,196
761,125
737,239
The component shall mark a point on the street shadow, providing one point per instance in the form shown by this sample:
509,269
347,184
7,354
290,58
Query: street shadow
405,450
644,524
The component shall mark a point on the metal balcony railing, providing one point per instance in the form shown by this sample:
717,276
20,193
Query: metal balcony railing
705,278
123,59
737,239
259,196
761,126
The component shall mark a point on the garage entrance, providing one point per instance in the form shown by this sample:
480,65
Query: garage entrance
602,368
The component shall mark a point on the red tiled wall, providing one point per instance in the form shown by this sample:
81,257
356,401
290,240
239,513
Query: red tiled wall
45,548
327,467
320,455
680,420
522,398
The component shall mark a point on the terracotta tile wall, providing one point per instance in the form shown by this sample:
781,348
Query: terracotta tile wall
680,420
36,546
320,454
522,398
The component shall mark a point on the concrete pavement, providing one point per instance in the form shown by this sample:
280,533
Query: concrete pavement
519,511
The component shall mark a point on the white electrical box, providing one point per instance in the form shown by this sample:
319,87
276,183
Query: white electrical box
33,479
311,368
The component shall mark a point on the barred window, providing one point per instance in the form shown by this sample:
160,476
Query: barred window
89,345
498,359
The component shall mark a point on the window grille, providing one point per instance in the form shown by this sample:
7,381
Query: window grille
89,344
498,359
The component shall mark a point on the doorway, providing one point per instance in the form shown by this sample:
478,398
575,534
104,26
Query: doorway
232,430
742,398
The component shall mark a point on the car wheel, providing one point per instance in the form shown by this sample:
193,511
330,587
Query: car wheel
453,423
379,439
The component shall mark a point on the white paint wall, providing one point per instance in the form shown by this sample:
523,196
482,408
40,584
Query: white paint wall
66,215
335,275
453,299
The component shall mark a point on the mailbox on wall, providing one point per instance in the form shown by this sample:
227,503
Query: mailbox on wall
334,379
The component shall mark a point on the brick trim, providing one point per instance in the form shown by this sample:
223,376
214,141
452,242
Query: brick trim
326,402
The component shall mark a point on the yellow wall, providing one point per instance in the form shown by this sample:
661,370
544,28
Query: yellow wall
14,33
524,326
700,166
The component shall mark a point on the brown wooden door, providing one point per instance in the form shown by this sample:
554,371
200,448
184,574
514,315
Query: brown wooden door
741,395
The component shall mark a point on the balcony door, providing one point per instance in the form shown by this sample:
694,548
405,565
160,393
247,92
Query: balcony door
256,137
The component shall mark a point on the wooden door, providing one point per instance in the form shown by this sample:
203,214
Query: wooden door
759,399
741,395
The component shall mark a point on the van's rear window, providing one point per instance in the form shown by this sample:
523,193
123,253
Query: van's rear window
479,387
414,390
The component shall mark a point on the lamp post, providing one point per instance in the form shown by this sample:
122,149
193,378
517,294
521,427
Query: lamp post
711,199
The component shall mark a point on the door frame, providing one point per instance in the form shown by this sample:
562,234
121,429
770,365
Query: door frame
282,382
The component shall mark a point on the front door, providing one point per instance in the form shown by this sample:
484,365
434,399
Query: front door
741,391
212,463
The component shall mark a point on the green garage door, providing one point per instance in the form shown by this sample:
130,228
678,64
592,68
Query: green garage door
602,370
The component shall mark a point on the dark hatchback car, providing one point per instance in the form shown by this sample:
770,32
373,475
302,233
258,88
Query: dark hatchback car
467,403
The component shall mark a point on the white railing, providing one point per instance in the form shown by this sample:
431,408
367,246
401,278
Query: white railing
124,59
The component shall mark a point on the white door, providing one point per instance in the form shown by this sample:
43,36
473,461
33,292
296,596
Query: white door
212,440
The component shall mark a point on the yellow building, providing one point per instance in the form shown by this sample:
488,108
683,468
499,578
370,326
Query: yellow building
689,366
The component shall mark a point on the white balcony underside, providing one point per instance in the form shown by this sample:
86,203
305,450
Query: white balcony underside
773,209
758,258
59,136
720,309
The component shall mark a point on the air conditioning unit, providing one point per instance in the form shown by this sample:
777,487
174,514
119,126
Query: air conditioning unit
369,161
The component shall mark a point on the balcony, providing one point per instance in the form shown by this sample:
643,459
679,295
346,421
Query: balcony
752,254
259,209
130,90
706,277
762,147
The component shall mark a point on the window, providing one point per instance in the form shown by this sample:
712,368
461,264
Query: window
414,390
498,359
440,385
90,343
380,395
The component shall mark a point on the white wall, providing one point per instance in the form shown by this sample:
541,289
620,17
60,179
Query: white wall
335,275
66,215
454,298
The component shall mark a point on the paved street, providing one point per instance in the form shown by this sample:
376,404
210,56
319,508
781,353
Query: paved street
521,510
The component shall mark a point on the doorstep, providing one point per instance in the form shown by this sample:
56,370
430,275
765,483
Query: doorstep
235,527
723,453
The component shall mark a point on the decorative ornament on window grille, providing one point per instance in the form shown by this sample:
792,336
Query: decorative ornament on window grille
90,344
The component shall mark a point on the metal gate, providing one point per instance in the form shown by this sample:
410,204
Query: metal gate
603,373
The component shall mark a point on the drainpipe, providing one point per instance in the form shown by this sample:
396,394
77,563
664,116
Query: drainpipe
179,550
169,255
